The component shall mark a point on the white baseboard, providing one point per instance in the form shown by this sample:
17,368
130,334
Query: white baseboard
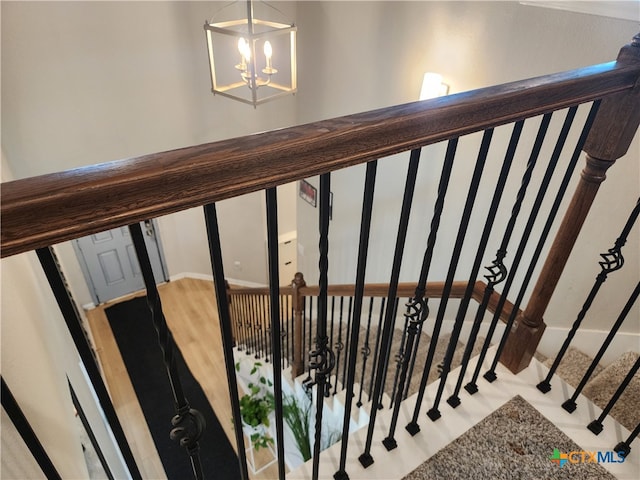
589,342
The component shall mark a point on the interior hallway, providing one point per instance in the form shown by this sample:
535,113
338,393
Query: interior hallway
190,309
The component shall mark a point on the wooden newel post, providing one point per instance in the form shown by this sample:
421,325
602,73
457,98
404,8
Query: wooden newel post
298,305
613,130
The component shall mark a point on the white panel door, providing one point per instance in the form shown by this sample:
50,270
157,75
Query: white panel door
110,265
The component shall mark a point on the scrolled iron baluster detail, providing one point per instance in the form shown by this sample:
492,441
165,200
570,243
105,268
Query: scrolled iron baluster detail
497,270
188,429
497,273
322,359
612,261
188,423
417,311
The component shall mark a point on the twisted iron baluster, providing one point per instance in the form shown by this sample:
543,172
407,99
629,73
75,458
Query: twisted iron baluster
523,243
322,359
611,262
365,351
577,151
389,319
497,270
339,346
484,239
596,426
376,349
570,404
351,356
417,308
433,413
188,423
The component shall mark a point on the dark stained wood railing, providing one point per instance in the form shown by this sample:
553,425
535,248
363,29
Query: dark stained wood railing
48,209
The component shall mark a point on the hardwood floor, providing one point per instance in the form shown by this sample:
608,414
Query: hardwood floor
190,310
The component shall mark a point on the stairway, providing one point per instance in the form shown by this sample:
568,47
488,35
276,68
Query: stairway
604,382
454,423
413,451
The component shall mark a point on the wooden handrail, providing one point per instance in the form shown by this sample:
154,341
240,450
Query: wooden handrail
299,289
52,208
405,290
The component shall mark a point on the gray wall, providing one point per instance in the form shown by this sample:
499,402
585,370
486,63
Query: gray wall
357,56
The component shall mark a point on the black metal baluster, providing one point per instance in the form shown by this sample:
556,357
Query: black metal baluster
596,426
612,261
339,346
215,252
304,339
251,322
283,332
497,270
473,188
434,413
346,344
387,353
322,359
366,351
257,329
239,309
236,321
399,357
327,392
87,428
412,360
276,339
363,250
387,329
454,400
292,331
624,448
265,326
30,438
74,325
253,308
376,349
523,241
188,423
570,404
252,325
491,374
308,382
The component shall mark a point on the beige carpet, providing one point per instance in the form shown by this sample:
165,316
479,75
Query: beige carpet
514,442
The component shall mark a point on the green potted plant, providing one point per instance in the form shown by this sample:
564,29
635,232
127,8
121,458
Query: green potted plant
255,407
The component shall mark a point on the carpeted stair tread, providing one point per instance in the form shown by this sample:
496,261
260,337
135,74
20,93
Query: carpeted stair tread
511,443
573,366
602,387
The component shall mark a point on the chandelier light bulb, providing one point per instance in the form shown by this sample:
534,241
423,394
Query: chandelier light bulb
268,51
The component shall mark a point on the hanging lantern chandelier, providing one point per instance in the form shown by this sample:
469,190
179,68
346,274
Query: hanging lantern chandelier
251,60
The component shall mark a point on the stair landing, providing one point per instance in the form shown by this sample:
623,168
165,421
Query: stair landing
413,451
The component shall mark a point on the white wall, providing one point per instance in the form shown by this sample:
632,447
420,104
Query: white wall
381,50
91,82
